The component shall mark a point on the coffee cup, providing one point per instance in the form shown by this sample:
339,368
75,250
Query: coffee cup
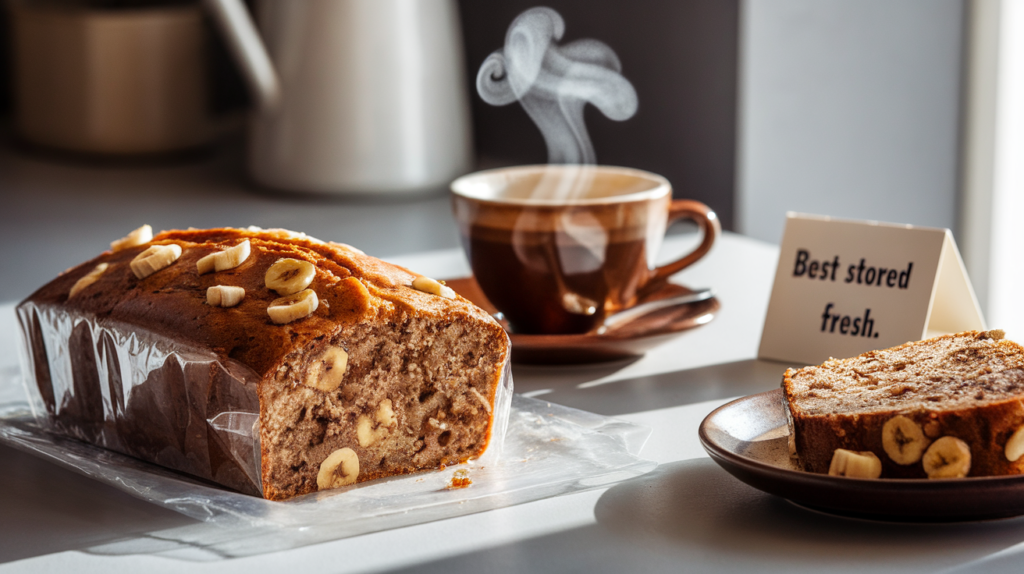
557,248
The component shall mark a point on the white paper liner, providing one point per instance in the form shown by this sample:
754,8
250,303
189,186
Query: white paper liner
549,450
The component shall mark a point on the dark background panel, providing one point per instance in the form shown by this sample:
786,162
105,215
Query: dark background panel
682,58
680,55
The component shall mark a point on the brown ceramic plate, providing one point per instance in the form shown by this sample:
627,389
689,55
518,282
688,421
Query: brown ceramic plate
749,438
631,339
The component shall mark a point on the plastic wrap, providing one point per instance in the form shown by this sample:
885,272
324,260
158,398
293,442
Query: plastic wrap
549,450
107,402
186,408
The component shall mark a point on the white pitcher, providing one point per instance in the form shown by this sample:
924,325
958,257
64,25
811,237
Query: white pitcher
353,96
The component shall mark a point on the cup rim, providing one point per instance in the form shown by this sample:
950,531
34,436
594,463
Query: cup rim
463,186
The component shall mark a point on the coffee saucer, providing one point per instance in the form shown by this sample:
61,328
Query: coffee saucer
625,340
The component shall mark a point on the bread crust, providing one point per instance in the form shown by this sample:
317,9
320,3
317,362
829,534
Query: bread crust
985,426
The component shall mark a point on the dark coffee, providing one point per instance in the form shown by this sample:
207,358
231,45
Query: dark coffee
547,282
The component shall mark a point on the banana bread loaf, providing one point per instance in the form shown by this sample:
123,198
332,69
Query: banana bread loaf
946,407
263,360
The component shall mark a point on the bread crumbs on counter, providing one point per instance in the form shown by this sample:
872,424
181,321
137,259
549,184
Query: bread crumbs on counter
460,479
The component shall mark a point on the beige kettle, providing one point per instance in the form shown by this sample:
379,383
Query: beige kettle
353,96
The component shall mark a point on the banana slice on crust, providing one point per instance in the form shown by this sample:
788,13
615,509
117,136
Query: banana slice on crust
223,260
287,276
293,307
428,285
154,259
140,236
88,279
224,295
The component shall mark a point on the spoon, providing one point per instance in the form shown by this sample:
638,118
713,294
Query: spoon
626,315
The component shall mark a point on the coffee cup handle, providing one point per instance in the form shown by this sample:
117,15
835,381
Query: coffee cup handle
709,225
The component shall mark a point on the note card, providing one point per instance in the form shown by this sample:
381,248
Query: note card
846,287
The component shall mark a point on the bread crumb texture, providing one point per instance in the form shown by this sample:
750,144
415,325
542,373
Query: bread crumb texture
948,372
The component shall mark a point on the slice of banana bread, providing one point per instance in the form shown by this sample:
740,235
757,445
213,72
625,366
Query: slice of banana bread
941,408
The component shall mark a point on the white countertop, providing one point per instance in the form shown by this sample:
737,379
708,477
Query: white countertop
687,515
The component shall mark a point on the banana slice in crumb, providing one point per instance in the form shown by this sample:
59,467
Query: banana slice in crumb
293,307
369,430
1015,446
223,260
287,276
855,464
327,372
903,440
948,457
340,468
154,259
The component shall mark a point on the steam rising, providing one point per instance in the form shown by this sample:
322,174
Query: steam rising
554,83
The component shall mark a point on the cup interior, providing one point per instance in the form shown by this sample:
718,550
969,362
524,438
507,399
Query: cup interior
561,185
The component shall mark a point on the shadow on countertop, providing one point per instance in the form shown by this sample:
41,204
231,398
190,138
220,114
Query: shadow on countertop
75,514
649,392
691,516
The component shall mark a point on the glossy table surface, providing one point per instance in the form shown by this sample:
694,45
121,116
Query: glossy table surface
686,515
